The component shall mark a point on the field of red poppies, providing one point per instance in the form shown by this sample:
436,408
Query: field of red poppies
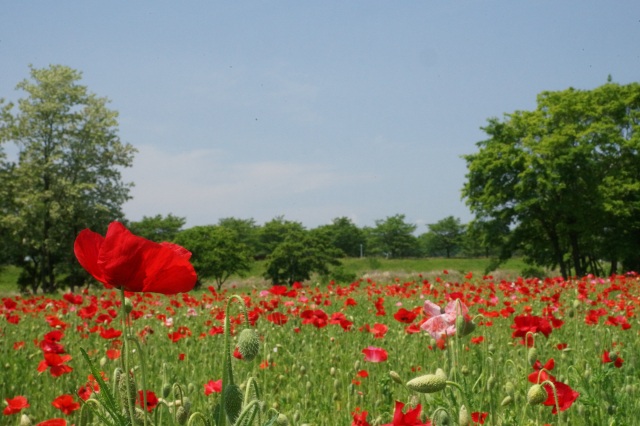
478,351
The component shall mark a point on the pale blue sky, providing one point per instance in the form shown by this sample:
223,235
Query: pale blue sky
315,110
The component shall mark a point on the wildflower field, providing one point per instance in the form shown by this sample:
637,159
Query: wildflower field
401,352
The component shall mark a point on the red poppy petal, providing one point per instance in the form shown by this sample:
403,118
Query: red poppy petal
87,249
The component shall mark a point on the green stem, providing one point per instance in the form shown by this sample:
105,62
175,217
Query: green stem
131,407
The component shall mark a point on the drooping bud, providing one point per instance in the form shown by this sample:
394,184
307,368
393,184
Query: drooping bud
128,305
166,390
428,383
182,415
463,417
249,344
509,388
532,356
232,397
282,420
25,420
464,327
536,395
395,377
506,401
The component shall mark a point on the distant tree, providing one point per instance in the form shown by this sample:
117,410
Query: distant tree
444,237
272,233
564,179
343,234
158,228
247,231
394,237
298,256
216,252
67,176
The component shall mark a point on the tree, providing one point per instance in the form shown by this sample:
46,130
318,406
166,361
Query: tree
394,237
343,234
216,252
444,237
157,228
298,256
247,231
67,176
563,179
275,232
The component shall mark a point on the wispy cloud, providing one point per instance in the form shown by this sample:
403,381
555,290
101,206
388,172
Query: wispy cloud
203,185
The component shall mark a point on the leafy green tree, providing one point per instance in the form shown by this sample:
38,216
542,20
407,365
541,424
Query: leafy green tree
67,176
444,237
563,179
298,256
394,237
274,232
216,252
158,228
343,234
247,231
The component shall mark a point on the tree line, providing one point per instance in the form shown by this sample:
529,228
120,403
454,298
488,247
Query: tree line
559,185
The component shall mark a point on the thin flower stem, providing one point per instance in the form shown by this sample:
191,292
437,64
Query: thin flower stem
131,407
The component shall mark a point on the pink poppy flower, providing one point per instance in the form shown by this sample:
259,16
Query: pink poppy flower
443,323
373,354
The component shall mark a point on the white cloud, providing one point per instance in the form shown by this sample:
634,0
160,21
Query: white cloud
203,186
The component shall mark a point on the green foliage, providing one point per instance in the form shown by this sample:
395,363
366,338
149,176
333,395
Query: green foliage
216,252
246,230
67,176
562,183
298,256
274,232
343,234
444,237
157,228
393,237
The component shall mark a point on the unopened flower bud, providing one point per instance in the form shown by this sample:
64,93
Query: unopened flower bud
536,395
249,344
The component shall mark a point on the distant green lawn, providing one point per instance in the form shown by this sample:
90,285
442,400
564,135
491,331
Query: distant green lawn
378,268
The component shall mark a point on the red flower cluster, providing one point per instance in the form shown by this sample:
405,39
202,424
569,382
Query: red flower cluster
566,396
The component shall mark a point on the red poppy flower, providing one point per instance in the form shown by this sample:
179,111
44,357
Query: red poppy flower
530,324
152,400
66,404
213,386
405,316
379,330
56,364
277,318
373,354
608,357
410,418
359,418
479,417
15,405
53,422
123,260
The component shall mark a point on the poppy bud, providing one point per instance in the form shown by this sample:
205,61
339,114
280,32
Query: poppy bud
182,415
509,388
532,356
128,305
536,395
395,377
249,344
428,383
463,417
127,399
282,420
25,420
506,401
464,327
166,390
232,397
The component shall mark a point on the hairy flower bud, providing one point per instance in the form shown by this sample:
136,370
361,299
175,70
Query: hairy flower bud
249,344
536,395
464,419
428,383
232,397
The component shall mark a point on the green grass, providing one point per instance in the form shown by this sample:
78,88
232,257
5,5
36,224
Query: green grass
9,278
357,267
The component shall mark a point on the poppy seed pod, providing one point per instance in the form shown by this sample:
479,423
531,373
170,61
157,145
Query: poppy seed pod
249,344
536,395
532,356
428,383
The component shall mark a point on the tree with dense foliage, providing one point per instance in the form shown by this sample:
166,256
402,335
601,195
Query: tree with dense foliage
67,176
444,237
216,252
246,230
343,234
158,228
300,254
393,237
564,180
274,232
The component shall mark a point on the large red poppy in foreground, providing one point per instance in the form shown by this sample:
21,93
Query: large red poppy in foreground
127,261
